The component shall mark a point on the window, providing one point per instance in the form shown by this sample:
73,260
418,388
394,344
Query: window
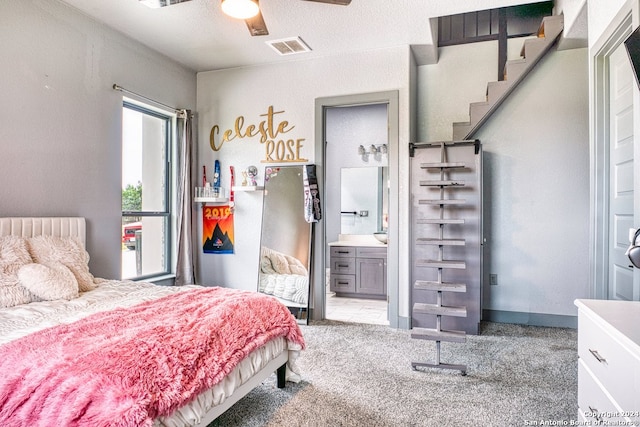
146,191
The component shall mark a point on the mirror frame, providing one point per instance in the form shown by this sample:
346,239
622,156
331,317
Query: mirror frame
285,239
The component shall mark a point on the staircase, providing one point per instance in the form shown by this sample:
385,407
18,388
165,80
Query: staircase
515,71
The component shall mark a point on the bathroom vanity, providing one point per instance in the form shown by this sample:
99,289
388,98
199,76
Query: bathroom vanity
358,267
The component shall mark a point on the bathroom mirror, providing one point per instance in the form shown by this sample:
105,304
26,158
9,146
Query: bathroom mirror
364,199
285,241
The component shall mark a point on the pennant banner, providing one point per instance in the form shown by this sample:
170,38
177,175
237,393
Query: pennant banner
217,229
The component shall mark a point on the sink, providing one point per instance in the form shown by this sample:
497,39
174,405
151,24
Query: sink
381,236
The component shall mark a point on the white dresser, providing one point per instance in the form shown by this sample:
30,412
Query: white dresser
608,362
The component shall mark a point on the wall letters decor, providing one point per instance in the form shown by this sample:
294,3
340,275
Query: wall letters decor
278,148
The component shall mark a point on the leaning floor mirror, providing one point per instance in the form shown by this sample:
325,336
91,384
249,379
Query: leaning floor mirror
285,241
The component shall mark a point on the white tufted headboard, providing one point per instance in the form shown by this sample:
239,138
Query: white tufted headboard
48,226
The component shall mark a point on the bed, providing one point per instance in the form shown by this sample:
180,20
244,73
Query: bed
124,353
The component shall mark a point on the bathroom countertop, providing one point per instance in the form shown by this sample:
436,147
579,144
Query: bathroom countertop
356,240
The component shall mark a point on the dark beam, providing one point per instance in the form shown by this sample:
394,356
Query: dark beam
502,42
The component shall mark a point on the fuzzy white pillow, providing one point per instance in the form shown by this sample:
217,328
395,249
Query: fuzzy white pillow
284,264
13,255
68,251
49,281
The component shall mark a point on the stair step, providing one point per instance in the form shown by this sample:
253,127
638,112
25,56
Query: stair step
478,110
439,221
532,48
438,335
439,310
551,26
441,183
445,165
515,68
442,202
458,265
427,285
440,242
495,90
461,130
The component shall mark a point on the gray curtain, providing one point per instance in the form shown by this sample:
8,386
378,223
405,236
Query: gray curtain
185,267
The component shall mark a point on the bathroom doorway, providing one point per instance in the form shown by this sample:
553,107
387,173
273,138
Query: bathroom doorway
360,145
356,208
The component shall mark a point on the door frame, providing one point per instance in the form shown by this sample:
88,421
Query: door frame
618,30
391,98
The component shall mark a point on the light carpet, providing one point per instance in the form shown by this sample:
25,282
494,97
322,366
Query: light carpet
360,375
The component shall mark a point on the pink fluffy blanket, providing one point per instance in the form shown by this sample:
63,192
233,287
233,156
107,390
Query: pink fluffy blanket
127,366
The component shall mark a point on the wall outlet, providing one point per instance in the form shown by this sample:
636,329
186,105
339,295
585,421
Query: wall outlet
364,213
493,279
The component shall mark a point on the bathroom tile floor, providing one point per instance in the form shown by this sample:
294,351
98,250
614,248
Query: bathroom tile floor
356,310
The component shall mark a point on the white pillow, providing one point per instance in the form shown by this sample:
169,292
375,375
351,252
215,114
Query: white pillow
65,250
13,255
49,281
284,264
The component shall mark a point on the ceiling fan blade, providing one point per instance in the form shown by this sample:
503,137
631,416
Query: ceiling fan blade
340,2
257,26
154,4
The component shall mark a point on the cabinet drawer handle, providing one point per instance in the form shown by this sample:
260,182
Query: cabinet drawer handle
599,358
594,413
342,252
343,283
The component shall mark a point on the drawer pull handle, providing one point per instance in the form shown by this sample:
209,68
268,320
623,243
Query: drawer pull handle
343,252
595,414
599,358
343,283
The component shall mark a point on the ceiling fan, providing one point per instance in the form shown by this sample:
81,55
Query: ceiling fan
253,17
249,10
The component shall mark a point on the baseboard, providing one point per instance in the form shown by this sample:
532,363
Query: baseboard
531,319
403,323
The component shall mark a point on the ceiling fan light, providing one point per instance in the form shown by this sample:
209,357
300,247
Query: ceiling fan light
240,9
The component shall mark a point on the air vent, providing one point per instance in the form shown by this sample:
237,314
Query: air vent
289,46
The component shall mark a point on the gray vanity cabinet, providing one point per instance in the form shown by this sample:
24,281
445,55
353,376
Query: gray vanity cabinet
359,271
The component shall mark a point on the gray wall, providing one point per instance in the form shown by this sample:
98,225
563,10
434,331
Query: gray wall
60,128
601,13
536,176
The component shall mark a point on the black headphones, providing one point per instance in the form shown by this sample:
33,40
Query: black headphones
634,250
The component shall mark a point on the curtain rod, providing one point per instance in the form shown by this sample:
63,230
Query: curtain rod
121,89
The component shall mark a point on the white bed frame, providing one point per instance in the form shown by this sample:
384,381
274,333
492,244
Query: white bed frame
47,226
277,365
76,226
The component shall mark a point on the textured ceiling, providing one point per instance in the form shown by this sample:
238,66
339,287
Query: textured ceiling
198,35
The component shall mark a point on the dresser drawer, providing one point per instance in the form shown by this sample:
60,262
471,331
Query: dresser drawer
342,283
593,403
371,252
343,266
343,252
614,367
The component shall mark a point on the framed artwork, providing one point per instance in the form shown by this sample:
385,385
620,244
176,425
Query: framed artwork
217,229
